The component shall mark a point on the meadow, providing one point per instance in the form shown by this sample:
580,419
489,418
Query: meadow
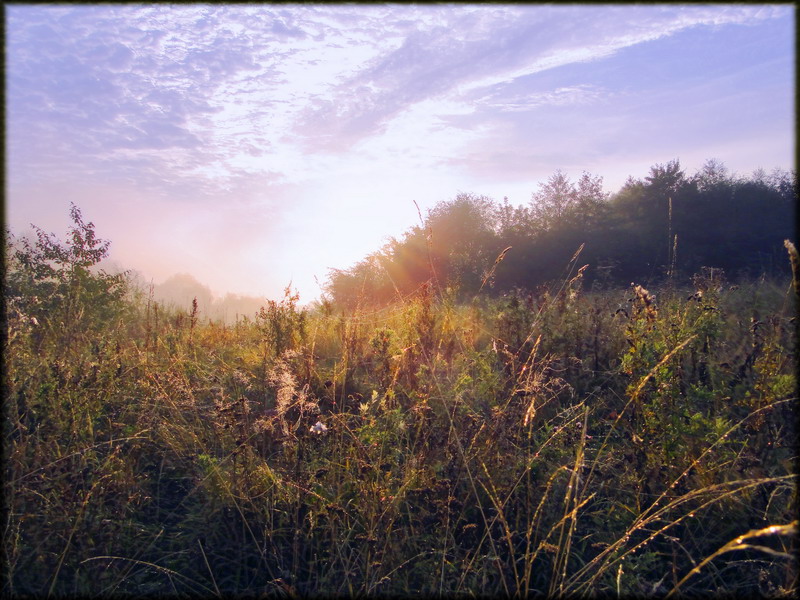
574,439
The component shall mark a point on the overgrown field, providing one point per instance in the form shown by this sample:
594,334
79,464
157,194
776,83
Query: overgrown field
561,441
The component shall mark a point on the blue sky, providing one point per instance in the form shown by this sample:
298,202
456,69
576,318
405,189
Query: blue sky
254,145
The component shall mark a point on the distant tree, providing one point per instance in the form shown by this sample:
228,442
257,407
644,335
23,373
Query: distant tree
512,221
759,175
181,289
713,174
408,262
722,221
234,307
785,183
561,203
514,227
640,239
665,179
363,284
552,201
463,240
591,201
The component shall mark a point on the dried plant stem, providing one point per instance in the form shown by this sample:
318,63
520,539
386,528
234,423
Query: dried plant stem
738,544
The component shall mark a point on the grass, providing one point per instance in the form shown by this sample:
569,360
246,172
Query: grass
558,442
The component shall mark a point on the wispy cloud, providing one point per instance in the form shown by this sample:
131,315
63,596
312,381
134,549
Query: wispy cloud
178,87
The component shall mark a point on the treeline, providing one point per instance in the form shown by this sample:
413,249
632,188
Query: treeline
182,290
667,224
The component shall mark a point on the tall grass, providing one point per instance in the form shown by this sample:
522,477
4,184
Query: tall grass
556,442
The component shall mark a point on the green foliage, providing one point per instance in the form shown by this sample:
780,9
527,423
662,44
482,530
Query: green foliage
51,284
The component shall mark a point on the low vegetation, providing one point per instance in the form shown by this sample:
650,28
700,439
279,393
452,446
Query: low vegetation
574,439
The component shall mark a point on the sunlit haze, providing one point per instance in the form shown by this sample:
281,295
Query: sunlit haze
253,146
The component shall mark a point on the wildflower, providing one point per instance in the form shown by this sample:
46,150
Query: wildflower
318,427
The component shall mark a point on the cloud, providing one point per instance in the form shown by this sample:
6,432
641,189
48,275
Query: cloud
86,80
471,55
413,66
648,98
282,30
117,95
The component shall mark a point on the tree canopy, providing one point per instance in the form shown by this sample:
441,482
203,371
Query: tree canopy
667,223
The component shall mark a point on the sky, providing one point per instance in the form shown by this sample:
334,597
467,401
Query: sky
255,146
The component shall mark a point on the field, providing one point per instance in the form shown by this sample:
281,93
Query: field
569,440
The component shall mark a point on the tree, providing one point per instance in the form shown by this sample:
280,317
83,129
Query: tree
372,281
512,221
181,290
463,241
665,179
713,174
59,285
640,219
560,203
552,201
591,201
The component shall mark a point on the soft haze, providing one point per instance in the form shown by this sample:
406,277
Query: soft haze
256,145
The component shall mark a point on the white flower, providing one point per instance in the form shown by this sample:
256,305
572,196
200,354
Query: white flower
318,427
